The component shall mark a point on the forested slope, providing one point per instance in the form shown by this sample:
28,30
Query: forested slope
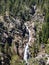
14,34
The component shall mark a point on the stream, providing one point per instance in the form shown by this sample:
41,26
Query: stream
26,51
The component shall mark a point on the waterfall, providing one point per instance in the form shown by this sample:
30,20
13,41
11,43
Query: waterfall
26,51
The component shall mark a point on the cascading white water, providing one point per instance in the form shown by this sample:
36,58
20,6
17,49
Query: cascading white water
26,51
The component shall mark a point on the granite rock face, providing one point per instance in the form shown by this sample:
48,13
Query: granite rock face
13,33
